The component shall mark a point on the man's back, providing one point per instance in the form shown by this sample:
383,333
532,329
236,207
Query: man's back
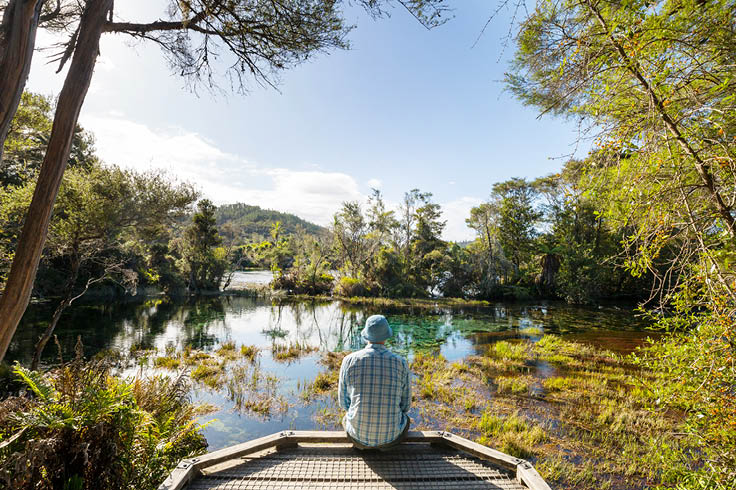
374,388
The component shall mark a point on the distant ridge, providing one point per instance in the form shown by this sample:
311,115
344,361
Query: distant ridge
254,222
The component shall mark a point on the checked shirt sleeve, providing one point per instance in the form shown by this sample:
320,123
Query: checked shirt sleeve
405,402
342,388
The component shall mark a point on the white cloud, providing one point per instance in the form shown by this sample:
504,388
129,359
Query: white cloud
456,212
223,177
374,183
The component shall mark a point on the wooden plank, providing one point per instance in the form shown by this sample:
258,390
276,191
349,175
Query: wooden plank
340,437
182,474
239,450
481,451
526,474
289,438
190,468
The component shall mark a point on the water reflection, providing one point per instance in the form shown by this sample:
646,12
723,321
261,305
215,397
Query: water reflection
206,323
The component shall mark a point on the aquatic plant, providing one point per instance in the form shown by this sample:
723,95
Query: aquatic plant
227,350
167,362
209,373
254,390
249,352
584,422
291,351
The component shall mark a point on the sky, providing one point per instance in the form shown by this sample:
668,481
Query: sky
404,108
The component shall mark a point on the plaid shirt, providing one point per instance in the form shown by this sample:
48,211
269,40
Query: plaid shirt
374,388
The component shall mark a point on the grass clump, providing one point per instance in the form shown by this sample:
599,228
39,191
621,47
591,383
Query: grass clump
516,385
227,351
193,357
509,351
249,352
167,362
325,383
209,374
291,351
82,427
531,331
511,434
254,390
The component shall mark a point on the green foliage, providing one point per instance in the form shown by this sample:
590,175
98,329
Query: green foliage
517,218
84,428
25,145
104,220
656,80
203,262
253,224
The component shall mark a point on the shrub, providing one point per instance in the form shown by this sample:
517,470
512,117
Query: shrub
350,286
84,428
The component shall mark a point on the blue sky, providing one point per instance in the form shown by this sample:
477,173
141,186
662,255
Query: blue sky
404,108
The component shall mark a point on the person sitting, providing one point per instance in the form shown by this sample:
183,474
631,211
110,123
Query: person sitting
375,390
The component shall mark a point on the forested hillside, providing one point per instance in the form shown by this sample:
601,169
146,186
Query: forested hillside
253,223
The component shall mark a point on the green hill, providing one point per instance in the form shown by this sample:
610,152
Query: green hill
254,223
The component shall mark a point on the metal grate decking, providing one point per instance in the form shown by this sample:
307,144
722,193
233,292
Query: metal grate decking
410,466
326,460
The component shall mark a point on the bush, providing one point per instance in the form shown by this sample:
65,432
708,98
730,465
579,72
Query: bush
80,427
350,287
295,283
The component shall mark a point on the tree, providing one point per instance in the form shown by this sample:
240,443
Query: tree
98,211
351,231
427,247
517,218
18,288
263,36
309,271
17,41
484,220
656,80
203,261
27,139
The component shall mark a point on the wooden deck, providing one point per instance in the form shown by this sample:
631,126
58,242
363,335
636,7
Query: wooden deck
315,459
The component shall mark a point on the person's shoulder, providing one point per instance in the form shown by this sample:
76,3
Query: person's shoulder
399,358
350,358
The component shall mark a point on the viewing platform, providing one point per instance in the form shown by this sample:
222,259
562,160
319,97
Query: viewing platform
326,459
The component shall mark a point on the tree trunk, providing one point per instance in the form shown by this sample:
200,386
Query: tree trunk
18,289
65,303
17,40
41,344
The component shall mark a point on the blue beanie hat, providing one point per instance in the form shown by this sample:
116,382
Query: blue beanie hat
376,329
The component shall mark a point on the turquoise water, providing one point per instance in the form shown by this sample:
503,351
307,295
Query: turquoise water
205,324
